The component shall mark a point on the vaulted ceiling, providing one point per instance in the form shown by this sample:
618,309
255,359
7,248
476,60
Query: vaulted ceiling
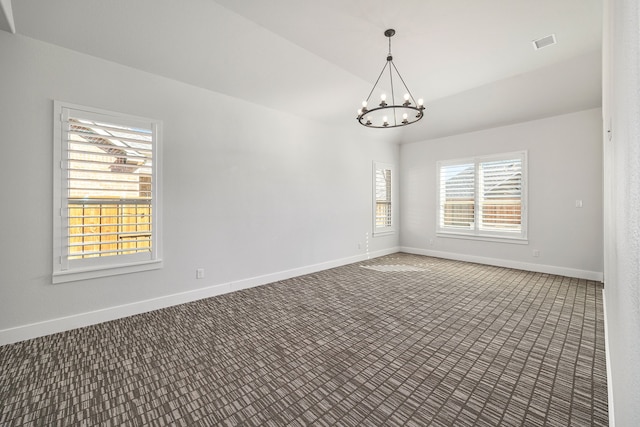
472,61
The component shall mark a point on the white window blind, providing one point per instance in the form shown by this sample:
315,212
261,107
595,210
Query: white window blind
457,196
108,181
383,202
484,196
500,195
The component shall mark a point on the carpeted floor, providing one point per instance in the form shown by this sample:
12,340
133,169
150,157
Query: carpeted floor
398,340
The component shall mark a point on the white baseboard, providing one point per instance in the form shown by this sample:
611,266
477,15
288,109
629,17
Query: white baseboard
539,268
612,422
61,324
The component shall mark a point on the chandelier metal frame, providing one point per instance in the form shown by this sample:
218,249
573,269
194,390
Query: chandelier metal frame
403,114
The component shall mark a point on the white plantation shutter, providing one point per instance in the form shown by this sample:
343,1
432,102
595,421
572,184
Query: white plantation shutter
108,189
501,195
484,196
457,201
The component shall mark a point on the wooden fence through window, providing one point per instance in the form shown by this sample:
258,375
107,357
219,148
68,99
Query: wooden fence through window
105,229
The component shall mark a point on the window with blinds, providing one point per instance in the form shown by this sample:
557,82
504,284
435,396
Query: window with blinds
108,176
484,196
382,210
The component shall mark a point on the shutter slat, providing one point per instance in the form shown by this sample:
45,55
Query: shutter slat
104,217
77,178
107,242
110,131
115,224
78,173
88,254
92,156
109,146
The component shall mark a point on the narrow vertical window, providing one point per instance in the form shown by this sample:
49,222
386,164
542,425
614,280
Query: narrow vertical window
106,208
383,201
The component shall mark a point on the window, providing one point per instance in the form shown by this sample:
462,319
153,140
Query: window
483,196
106,197
383,202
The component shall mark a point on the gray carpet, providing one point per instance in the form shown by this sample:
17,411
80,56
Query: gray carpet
398,340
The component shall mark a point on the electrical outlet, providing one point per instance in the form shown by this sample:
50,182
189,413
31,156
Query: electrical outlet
199,273
536,253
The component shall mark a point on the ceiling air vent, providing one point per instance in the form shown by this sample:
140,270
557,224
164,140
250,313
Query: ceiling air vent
544,42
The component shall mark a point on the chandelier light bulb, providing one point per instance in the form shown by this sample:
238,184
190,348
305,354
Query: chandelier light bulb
420,102
383,100
360,111
364,103
405,115
406,96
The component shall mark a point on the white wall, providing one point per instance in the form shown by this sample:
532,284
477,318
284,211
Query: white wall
565,165
250,194
621,112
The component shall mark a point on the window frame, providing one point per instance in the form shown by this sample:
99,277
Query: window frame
476,233
66,270
391,228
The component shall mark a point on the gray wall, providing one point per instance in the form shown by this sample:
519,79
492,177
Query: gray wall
250,194
565,165
621,106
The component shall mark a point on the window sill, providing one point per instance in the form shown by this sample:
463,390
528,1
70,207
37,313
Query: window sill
497,239
106,271
380,233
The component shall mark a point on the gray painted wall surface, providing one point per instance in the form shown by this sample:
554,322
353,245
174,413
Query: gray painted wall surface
565,165
247,191
621,106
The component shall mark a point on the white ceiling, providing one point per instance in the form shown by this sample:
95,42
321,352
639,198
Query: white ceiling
471,60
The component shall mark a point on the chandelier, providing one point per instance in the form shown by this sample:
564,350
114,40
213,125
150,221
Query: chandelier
390,115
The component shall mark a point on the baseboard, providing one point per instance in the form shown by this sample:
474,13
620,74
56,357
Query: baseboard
539,268
611,412
61,324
